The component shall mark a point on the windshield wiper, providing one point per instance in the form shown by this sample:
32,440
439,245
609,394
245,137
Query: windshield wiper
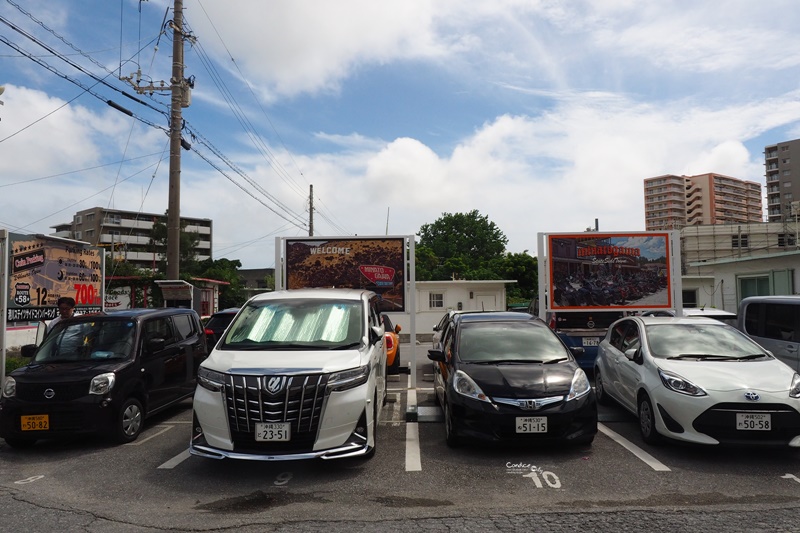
506,361
345,346
559,360
704,357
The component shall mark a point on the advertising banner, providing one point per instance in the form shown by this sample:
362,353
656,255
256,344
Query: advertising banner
376,264
610,270
42,270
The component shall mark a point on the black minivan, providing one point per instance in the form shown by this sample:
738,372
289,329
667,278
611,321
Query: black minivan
102,373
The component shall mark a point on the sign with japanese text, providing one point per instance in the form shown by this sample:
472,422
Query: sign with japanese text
42,270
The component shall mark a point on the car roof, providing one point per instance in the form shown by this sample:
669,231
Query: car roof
135,313
314,294
228,311
694,320
494,316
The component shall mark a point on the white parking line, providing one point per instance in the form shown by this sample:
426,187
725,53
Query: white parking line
413,458
175,461
648,459
139,442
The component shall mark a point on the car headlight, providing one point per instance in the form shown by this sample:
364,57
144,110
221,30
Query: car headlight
678,384
580,385
10,387
464,385
210,379
102,384
794,390
348,379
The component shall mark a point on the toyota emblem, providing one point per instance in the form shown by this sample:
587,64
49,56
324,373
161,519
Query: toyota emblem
49,393
752,396
274,384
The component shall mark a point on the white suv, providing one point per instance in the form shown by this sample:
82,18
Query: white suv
299,374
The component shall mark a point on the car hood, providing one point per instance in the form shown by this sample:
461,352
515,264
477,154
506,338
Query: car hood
64,372
771,375
522,380
283,362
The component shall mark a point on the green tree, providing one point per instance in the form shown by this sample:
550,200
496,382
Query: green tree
461,246
523,268
233,294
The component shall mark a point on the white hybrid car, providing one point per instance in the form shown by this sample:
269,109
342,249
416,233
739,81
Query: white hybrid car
298,374
698,380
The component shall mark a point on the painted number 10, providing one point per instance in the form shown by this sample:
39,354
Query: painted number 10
550,478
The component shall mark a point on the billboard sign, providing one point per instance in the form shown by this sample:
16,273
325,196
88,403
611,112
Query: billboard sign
44,269
373,263
611,271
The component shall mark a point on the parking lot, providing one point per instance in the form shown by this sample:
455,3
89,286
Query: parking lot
414,479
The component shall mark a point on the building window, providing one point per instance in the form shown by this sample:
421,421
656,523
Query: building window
787,160
90,217
78,235
690,298
786,239
89,233
435,300
77,219
787,172
787,183
739,241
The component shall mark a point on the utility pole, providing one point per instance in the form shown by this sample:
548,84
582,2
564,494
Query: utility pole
179,88
176,123
310,210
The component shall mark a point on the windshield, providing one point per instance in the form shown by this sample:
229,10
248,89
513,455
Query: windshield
97,340
512,342
297,324
702,340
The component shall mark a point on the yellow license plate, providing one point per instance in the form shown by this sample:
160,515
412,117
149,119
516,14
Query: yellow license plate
34,422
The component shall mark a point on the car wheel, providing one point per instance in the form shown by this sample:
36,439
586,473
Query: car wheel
130,418
599,389
451,437
647,421
583,441
20,443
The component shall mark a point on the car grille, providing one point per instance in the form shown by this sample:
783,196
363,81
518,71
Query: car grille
300,403
719,422
62,392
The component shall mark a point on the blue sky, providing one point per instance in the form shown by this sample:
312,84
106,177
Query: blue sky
542,115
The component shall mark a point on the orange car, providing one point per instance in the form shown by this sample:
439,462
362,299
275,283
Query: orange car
392,340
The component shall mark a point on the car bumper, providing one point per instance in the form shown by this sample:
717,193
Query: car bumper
85,415
712,420
341,430
575,420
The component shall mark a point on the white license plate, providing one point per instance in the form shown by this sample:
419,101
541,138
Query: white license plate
591,341
531,424
273,432
754,421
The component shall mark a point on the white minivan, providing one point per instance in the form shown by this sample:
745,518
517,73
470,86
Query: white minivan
298,374
774,323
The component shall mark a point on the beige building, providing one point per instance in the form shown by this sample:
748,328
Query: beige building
673,202
783,184
128,234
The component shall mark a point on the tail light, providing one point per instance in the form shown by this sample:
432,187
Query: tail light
552,322
208,331
389,342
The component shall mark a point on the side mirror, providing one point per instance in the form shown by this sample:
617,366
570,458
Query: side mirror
577,350
632,354
375,334
397,328
28,350
437,355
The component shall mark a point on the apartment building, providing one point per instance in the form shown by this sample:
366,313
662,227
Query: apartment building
673,202
783,184
127,234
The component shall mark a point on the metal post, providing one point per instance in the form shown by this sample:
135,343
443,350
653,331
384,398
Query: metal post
176,122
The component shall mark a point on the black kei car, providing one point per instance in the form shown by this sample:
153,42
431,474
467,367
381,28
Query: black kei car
102,373
505,376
